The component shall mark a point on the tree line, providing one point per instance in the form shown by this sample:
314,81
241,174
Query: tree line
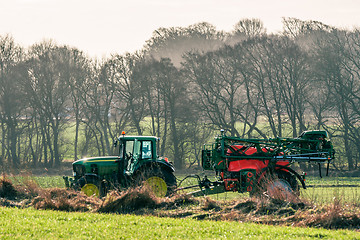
186,83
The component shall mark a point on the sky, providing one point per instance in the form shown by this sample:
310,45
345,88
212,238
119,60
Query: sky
104,27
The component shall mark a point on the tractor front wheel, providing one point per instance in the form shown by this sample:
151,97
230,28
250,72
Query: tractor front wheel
91,186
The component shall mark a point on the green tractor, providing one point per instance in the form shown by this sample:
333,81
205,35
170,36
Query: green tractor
135,163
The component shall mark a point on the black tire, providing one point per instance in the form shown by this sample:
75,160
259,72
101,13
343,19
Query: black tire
142,177
92,181
282,186
282,181
291,179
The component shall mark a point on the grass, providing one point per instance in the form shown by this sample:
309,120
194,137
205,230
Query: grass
34,224
41,181
333,180
325,189
183,211
328,194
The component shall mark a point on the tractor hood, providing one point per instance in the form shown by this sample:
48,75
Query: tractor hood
95,165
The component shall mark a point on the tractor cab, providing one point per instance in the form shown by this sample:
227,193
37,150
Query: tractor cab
133,150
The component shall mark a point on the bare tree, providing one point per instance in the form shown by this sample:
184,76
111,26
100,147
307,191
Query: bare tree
295,82
294,28
172,87
148,73
250,27
337,68
222,90
127,88
77,69
48,91
11,101
97,93
263,77
173,42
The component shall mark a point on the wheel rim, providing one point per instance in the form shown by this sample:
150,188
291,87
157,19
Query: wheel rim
157,186
279,189
90,190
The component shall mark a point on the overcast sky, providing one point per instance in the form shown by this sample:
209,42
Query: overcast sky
101,27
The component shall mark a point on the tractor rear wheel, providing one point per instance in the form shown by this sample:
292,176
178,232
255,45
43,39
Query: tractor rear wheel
160,181
91,186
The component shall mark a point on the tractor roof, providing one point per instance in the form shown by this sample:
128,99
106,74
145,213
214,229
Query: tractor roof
126,137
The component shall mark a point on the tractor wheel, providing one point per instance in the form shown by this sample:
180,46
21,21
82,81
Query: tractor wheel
281,185
161,182
91,186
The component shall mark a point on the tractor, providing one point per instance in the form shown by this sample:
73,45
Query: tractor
134,163
261,166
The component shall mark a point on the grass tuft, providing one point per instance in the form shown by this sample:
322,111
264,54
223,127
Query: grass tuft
136,199
211,204
65,200
129,201
333,216
7,190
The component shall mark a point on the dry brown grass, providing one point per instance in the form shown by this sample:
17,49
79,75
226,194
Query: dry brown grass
65,200
140,198
331,216
210,204
7,190
27,189
129,201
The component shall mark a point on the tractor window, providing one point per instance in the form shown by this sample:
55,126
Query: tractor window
146,150
129,148
137,145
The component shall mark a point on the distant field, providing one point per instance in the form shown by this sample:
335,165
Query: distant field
34,224
322,190
42,181
325,189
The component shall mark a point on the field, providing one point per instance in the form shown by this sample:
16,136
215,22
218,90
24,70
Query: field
321,190
326,210
34,224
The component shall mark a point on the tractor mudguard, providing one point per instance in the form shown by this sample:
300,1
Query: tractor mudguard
280,167
161,164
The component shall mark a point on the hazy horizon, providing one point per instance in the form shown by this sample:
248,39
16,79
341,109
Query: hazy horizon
100,28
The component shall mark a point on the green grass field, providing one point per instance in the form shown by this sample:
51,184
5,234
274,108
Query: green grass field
34,224
41,181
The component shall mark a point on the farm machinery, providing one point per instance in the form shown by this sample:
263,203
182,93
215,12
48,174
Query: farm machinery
136,162
257,166
262,166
